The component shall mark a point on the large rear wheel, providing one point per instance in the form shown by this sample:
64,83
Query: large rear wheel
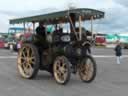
61,70
87,69
28,61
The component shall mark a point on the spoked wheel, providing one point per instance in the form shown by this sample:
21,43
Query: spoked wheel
28,61
87,69
61,70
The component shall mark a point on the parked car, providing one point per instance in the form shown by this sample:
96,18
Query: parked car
9,42
1,43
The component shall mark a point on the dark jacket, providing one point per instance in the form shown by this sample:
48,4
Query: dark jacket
41,37
118,50
40,31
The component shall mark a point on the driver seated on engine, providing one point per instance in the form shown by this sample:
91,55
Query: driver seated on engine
41,35
40,30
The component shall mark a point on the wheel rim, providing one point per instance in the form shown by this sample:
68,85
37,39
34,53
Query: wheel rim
86,69
26,61
60,70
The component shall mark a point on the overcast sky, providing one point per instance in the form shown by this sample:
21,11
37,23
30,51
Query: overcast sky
116,11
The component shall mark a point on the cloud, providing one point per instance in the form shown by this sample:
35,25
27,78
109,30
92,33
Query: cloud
115,20
4,24
122,2
28,5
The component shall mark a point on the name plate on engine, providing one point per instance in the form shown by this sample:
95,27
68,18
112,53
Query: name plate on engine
65,38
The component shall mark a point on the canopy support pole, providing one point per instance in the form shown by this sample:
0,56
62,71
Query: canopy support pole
33,27
80,29
73,27
92,26
24,26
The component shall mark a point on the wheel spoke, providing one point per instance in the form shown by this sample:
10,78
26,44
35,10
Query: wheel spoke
86,77
24,67
23,64
89,75
86,71
90,70
64,75
32,57
58,63
22,58
28,69
23,54
63,72
58,71
32,63
32,60
64,68
28,52
63,65
62,60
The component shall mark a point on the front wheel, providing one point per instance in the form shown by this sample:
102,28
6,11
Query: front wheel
61,70
28,61
87,69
